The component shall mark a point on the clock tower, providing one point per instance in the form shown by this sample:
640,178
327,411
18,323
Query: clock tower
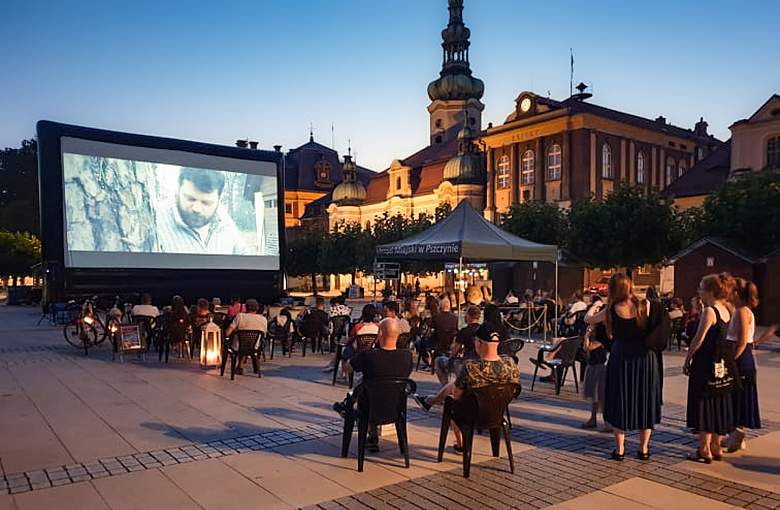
455,95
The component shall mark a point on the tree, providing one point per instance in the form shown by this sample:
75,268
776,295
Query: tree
18,252
628,228
19,209
303,255
540,222
747,210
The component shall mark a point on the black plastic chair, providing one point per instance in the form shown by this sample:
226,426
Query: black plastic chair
563,361
379,402
279,333
403,341
147,326
362,343
676,333
339,328
175,332
424,341
485,409
250,343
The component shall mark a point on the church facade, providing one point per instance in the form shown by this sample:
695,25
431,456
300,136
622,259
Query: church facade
549,150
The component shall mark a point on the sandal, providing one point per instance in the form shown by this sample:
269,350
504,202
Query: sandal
617,456
643,456
698,457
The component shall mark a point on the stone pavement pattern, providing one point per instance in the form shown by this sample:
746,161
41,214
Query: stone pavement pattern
80,432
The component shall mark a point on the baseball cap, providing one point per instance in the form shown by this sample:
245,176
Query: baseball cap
487,333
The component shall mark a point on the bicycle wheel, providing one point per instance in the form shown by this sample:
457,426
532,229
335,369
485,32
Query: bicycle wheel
101,325
78,335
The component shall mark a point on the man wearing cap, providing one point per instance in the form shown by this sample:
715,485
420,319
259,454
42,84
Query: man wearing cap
489,369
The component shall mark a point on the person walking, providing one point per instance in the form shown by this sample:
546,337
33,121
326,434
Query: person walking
632,399
711,370
742,329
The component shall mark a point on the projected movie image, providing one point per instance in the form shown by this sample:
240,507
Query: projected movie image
149,211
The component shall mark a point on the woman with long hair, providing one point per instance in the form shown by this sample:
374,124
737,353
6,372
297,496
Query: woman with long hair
711,370
742,329
632,399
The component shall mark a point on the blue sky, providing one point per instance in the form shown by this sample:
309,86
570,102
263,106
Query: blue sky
218,71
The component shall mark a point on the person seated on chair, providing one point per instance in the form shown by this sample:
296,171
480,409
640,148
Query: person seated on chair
281,326
200,314
511,298
146,308
492,316
316,321
676,309
250,320
577,305
445,327
385,362
462,348
365,326
488,368
338,307
392,311
236,307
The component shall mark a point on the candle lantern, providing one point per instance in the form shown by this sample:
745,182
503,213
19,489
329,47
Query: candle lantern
210,346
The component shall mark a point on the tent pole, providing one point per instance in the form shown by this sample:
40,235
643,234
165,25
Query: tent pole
556,295
457,290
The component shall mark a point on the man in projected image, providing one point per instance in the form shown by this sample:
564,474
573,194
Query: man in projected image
194,224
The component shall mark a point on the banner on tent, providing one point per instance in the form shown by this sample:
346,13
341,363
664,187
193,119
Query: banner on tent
418,250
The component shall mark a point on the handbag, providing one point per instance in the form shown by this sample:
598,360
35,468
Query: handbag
659,327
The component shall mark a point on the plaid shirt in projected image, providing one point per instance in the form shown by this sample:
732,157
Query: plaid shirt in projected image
221,238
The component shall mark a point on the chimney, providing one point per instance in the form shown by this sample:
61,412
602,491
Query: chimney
241,143
661,120
253,145
278,148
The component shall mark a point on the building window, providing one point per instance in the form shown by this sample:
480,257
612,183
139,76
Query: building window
681,168
699,153
526,195
288,208
606,162
398,184
554,163
773,152
669,170
640,168
503,172
527,169
322,172
270,204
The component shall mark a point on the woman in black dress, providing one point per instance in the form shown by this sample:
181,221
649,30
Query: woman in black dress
711,370
742,330
633,388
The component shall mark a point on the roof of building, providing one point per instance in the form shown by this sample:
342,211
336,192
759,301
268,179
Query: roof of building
299,171
575,105
705,177
732,246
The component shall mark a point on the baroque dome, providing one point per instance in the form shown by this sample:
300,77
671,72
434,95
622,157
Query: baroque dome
349,191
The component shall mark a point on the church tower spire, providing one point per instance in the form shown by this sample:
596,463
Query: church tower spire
455,95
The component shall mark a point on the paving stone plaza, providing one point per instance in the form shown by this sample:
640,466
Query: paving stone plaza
89,432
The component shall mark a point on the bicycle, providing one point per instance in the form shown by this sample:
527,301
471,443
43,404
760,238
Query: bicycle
90,328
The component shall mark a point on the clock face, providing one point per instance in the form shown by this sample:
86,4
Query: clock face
525,104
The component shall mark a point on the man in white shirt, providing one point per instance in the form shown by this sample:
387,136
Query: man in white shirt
577,305
252,319
146,308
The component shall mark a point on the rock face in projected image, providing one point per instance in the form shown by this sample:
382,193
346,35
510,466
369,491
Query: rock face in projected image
108,204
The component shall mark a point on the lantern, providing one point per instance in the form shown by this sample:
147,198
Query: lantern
210,346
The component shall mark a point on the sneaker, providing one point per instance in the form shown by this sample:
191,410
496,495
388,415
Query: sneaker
422,401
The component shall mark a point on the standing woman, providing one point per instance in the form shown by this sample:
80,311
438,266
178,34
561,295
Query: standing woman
742,329
711,370
632,399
